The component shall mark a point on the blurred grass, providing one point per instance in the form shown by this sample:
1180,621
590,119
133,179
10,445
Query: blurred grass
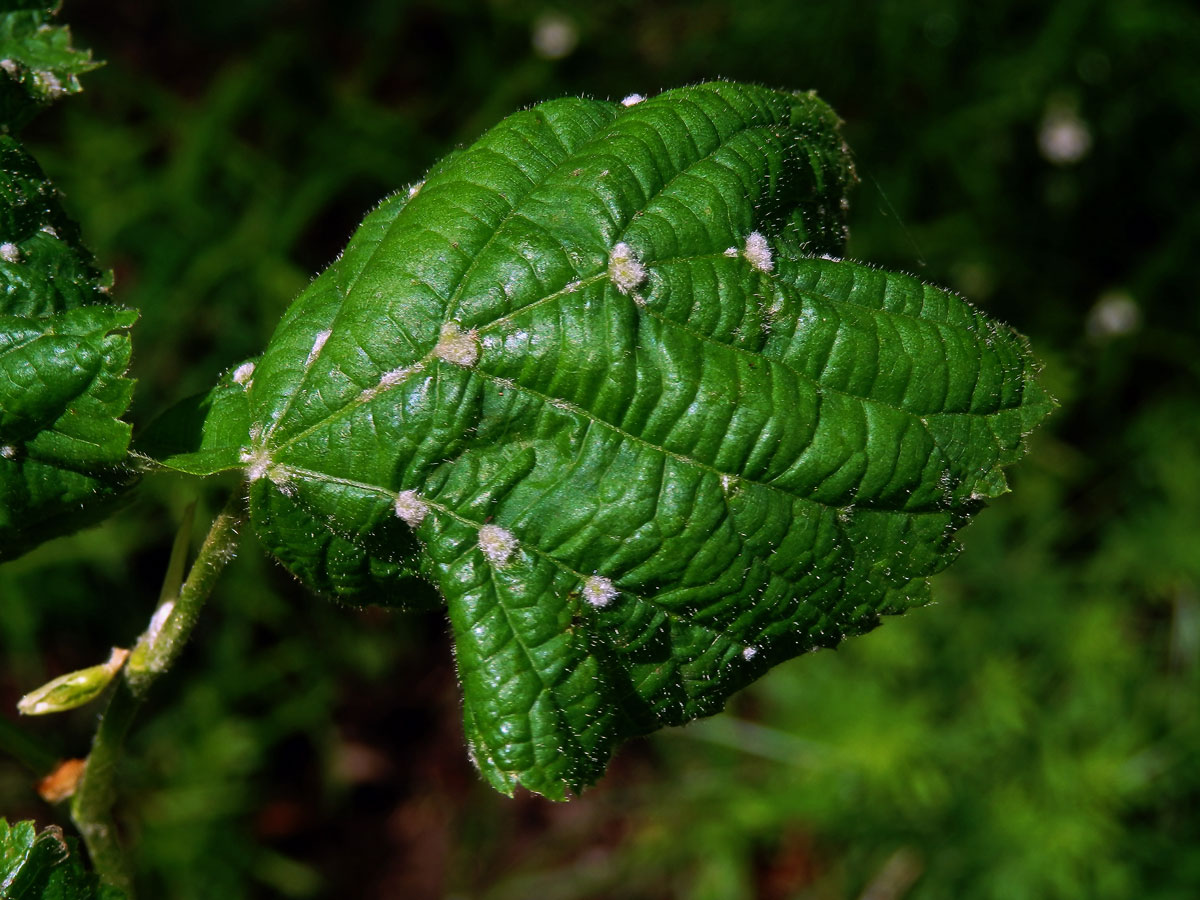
1034,734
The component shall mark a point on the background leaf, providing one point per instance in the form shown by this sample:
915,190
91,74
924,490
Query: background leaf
37,62
651,445
43,865
64,352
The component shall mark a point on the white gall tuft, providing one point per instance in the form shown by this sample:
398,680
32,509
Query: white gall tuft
497,544
758,252
10,252
258,463
457,346
599,591
317,347
625,269
243,373
411,508
632,100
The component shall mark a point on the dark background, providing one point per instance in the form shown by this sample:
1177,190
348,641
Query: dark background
1033,734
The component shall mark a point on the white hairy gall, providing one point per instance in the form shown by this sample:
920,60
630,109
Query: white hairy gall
317,347
758,252
457,346
599,591
411,508
497,544
625,270
243,373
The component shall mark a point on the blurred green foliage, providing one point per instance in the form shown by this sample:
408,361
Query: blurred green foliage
1034,734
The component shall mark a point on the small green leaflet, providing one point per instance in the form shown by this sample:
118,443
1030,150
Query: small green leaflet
63,355
37,62
599,379
45,866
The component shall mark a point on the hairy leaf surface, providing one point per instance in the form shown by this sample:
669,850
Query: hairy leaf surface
598,382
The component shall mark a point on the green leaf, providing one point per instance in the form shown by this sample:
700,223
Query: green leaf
63,355
44,268
37,62
597,382
63,446
206,433
45,866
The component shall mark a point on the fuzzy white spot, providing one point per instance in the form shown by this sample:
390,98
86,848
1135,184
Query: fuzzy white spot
243,373
9,66
281,477
457,346
10,252
758,252
632,100
411,508
554,35
317,346
258,463
158,620
48,229
415,189
750,653
396,376
731,251
625,269
8,451
497,544
49,83
1116,313
1064,137
727,483
599,591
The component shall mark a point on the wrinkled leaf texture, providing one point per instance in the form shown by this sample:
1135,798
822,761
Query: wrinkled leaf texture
43,865
64,351
599,381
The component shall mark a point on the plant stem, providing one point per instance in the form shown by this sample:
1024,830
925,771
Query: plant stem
95,796
92,804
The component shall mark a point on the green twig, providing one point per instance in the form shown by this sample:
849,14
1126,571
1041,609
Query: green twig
95,796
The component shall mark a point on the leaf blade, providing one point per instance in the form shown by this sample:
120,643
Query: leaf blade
648,441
